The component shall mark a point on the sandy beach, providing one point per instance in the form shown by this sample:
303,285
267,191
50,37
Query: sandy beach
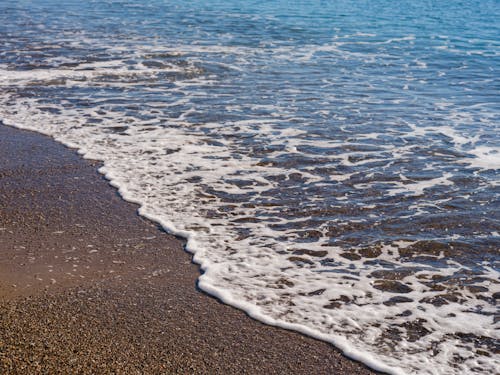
88,286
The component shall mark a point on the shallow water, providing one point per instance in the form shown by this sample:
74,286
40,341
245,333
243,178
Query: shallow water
335,167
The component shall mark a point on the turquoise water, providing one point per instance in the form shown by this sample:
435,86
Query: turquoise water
334,165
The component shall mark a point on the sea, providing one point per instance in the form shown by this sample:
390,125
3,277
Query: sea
333,165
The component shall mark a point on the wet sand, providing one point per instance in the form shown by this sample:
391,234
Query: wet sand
88,286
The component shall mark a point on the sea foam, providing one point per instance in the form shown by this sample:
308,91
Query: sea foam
343,188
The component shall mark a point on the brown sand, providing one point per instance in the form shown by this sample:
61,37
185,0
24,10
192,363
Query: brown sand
88,286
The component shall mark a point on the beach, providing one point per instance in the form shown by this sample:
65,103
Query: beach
88,286
201,172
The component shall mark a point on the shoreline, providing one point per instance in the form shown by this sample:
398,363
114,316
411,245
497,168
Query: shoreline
88,285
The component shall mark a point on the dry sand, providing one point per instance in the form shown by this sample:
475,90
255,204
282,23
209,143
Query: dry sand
88,286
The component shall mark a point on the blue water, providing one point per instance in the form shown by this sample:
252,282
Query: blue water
334,165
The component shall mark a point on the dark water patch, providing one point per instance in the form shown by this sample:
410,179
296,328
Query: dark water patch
391,286
396,300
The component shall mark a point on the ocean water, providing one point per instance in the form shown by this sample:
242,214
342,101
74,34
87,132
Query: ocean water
334,165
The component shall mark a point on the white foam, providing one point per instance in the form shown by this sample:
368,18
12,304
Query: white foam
485,157
158,159
418,188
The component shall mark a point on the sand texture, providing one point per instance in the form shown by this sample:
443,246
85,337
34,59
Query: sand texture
88,286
